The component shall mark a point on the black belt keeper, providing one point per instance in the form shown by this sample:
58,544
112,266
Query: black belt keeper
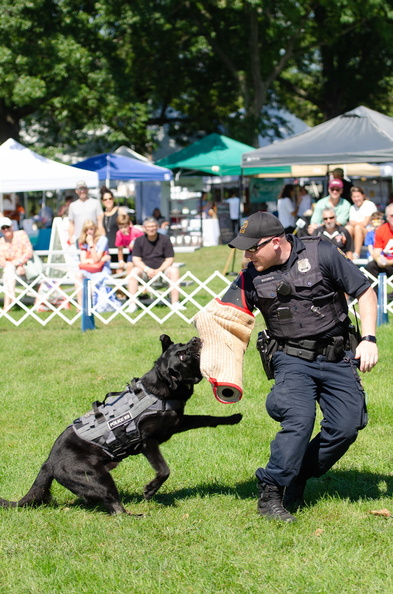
310,349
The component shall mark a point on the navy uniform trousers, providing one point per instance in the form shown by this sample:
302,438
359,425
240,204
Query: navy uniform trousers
299,386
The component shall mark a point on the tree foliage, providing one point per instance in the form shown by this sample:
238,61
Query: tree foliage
93,74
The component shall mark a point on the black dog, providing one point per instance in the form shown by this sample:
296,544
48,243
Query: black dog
94,444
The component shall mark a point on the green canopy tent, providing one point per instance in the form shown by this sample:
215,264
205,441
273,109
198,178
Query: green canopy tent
214,154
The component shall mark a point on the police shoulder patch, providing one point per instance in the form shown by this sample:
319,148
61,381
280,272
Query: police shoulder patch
342,253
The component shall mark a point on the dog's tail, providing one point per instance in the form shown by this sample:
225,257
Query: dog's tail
39,492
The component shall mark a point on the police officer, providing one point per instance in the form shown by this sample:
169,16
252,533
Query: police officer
300,287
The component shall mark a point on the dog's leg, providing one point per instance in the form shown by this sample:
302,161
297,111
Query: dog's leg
197,421
152,452
93,484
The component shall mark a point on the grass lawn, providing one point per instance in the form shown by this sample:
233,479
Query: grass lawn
201,533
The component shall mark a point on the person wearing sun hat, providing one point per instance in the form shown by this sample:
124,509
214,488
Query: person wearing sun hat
15,251
333,200
300,287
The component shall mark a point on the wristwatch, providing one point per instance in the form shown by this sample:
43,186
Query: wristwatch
369,338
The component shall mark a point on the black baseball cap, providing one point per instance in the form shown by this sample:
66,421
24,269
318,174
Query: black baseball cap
257,226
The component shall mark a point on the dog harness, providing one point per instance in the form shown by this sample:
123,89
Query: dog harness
114,423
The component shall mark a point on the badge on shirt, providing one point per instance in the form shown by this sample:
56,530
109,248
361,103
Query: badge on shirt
304,265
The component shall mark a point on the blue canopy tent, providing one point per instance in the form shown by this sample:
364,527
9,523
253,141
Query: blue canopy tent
117,167
112,166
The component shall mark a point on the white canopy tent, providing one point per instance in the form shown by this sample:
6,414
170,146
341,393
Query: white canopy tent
23,170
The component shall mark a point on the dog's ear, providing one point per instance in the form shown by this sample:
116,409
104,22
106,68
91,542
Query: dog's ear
166,342
175,378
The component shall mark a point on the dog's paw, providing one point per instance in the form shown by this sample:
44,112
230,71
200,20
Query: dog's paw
149,491
235,419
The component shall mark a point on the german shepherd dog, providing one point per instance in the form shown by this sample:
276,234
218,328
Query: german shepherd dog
83,466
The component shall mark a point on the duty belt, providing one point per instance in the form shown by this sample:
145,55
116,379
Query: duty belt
309,350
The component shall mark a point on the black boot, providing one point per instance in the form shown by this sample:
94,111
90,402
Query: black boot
294,493
270,503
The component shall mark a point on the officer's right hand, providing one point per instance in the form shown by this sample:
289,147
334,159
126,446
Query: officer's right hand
367,352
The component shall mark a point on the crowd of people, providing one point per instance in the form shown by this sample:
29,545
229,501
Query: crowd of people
344,217
104,234
349,221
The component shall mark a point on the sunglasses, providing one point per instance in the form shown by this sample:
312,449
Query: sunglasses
106,199
256,247
335,189
328,218
5,227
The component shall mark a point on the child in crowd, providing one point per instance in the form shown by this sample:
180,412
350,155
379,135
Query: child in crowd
376,221
125,238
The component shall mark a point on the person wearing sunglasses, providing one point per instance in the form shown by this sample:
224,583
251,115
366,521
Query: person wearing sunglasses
111,214
300,287
81,210
15,251
333,200
331,231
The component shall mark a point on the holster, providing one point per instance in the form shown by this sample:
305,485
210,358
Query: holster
267,346
354,338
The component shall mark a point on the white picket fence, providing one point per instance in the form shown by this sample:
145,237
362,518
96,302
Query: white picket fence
46,298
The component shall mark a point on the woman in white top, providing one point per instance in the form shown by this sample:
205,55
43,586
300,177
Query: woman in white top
359,218
287,208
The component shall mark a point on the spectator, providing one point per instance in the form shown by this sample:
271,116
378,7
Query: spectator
304,201
94,261
376,221
163,224
153,253
125,238
234,211
63,209
335,233
338,173
111,213
15,251
383,247
287,208
44,218
333,200
359,218
83,209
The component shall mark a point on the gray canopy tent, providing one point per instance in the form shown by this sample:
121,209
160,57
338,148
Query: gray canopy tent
358,136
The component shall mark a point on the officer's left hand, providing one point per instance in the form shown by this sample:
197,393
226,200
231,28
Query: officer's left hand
367,352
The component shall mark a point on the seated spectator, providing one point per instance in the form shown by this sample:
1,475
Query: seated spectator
383,247
376,221
44,218
163,224
335,233
153,253
125,238
15,251
359,218
338,173
333,200
94,261
63,209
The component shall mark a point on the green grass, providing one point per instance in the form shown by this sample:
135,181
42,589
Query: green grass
201,533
